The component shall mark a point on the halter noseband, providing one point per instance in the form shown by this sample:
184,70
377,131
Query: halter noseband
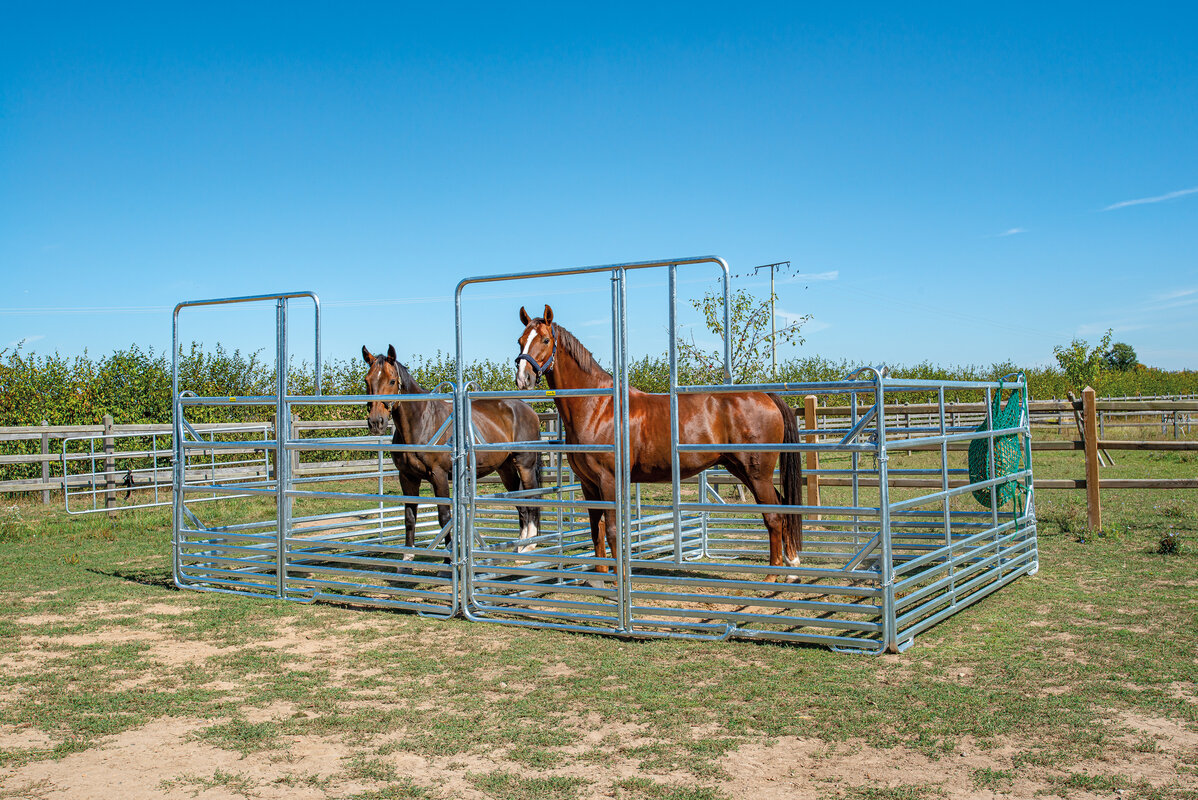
540,369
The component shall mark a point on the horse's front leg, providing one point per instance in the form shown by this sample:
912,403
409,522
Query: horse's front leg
410,486
611,526
439,478
598,522
515,478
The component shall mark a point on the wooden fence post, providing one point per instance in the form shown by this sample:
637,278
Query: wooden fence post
810,422
1093,499
109,467
46,465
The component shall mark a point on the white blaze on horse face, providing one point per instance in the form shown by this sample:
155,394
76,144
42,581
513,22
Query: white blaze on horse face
524,373
527,532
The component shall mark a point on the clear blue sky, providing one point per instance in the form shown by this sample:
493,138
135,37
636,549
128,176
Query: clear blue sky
955,185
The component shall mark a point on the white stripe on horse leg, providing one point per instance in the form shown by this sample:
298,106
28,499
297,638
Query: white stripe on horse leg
791,562
527,532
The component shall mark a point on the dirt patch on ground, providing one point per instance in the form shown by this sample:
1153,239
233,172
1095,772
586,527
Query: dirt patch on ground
165,759
796,767
162,760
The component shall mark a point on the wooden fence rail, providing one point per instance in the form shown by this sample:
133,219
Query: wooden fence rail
1042,412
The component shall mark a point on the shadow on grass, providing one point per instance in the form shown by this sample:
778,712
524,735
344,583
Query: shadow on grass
159,578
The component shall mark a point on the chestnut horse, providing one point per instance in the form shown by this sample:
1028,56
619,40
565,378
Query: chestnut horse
417,421
550,350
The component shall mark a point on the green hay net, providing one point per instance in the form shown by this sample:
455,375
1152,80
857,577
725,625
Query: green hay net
1008,452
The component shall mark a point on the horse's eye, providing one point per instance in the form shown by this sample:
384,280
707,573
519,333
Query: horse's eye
545,340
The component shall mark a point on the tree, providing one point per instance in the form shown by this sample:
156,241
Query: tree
750,321
1120,358
1081,363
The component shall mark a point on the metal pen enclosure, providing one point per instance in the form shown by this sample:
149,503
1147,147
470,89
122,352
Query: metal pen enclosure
895,553
892,547
354,551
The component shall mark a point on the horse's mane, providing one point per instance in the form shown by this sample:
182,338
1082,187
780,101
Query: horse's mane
577,350
407,383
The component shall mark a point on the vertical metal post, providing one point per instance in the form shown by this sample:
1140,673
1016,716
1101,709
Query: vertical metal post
316,307
556,458
727,324
889,623
675,469
381,502
1029,508
92,445
620,515
282,459
992,472
154,445
177,449
466,568
947,501
295,454
855,458
461,519
212,463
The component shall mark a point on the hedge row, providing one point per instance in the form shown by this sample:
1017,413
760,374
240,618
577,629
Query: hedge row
134,385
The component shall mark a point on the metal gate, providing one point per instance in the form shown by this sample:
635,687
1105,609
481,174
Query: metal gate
322,537
894,544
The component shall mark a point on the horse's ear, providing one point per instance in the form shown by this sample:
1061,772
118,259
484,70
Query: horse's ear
366,356
390,352
548,314
524,318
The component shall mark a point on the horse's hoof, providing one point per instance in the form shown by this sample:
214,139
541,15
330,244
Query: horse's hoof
526,548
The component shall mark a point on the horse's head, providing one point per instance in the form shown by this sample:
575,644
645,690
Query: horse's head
382,377
538,347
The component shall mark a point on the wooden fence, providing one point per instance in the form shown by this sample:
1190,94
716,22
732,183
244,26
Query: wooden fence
1089,415
1085,415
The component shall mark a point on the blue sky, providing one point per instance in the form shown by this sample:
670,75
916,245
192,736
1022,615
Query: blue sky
954,184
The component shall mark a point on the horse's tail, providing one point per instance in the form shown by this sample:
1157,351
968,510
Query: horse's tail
534,512
791,464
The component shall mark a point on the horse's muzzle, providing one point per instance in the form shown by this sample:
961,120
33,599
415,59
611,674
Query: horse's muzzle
376,420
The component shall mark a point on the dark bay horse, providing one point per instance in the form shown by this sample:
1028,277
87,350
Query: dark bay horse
416,421
734,418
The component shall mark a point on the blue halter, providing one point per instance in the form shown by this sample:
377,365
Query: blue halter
539,369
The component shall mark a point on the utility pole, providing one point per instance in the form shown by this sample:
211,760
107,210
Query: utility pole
773,317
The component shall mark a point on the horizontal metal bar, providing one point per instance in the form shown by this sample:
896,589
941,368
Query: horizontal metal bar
296,445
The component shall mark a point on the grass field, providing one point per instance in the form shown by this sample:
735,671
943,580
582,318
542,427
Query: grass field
1076,682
